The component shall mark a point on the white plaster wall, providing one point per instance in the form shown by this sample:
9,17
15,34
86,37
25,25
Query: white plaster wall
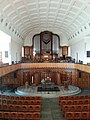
87,48
16,51
81,47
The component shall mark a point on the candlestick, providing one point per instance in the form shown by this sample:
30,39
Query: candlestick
32,79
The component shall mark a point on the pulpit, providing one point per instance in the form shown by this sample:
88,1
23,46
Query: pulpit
66,83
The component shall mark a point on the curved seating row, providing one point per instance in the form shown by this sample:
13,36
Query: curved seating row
78,108
20,97
20,102
74,102
20,108
74,97
77,115
20,115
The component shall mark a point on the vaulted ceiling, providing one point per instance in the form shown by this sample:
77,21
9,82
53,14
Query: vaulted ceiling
59,16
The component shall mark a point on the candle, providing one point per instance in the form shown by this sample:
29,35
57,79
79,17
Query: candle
32,79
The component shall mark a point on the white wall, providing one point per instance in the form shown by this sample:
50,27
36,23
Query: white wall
81,47
16,50
5,46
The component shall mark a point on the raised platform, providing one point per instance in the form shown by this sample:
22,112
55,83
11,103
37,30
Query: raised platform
33,91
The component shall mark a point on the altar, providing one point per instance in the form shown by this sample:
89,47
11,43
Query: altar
47,85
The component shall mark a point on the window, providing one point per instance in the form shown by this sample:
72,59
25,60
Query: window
6,54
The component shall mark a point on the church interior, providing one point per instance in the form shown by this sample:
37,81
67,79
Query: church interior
44,60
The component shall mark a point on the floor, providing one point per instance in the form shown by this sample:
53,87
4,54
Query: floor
51,109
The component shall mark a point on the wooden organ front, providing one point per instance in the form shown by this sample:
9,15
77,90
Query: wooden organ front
45,46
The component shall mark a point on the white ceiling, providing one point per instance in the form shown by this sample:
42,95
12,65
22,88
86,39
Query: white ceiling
58,16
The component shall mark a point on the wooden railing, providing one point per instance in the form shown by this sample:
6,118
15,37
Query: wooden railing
7,69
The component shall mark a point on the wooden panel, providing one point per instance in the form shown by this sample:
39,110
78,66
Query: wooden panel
58,79
7,69
37,78
65,50
26,77
26,50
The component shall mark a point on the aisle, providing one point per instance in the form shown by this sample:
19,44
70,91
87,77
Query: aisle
51,109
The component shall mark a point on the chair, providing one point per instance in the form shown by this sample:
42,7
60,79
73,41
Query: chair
18,108
5,107
71,97
86,101
88,115
75,102
84,115
36,115
1,114
28,115
85,107
79,107
4,101
0,96
6,115
32,97
1,107
63,102
89,101
7,96
38,97
12,97
38,102
26,102
13,115
31,108
65,108
27,97
69,102
69,116
89,107
37,107
77,115
80,101
14,102
24,108
72,108
9,101
21,115
3,96
22,97
67,97
76,97
0,100
87,96
11,107
32,102
17,98
82,97
20,102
